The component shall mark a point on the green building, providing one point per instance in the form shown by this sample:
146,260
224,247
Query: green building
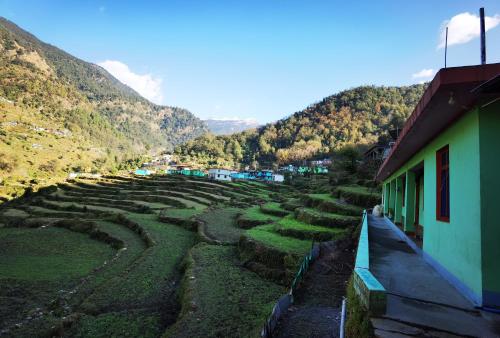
441,179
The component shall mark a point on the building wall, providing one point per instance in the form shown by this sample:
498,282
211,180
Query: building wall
455,245
489,144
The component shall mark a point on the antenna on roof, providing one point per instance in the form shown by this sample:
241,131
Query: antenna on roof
445,47
483,36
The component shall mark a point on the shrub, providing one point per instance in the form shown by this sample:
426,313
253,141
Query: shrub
358,319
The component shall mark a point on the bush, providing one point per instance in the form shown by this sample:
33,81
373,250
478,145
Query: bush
358,323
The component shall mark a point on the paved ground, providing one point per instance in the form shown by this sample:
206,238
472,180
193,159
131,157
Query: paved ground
419,301
316,311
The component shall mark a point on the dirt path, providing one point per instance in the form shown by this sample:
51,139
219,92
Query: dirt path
316,311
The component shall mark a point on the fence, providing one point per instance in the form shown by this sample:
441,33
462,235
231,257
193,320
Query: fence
285,301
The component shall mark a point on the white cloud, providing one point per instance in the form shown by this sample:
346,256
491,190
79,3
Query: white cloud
464,27
424,73
145,84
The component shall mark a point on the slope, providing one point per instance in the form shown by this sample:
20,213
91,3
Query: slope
59,113
355,116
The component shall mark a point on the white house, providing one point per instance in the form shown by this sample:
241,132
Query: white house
278,178
219,174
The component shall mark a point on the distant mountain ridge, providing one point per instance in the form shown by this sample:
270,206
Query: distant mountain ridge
44,88
230,126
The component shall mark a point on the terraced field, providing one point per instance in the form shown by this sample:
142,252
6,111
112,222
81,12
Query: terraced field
159,256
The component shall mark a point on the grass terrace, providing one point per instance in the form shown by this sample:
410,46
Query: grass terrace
104,257
292,227
220,298
267,235
220,224
255,216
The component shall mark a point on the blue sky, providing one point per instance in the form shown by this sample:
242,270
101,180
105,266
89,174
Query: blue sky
258,59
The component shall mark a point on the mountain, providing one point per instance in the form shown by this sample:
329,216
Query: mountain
355,116
229,126
59,114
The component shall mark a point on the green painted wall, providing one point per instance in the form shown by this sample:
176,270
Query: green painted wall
387,190
392,198
489,144
455,245
409,202
421,204
399,201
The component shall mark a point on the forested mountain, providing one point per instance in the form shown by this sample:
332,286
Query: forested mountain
355,116
59,113
227,127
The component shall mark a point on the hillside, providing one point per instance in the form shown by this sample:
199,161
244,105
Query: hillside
59,114
355,116
227,127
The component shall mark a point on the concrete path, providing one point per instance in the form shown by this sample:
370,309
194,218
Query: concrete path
420,302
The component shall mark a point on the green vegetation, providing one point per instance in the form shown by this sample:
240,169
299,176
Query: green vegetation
266,235
131,324
326,202
292,227
359,195
273,208
220,224
112,262
356,116
326,219
221,299
59,114
254,216
358,319
65,255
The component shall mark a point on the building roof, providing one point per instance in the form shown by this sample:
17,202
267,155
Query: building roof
449,95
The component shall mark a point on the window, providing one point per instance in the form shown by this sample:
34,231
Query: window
443,184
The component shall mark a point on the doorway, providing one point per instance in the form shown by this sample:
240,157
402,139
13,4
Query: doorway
419,207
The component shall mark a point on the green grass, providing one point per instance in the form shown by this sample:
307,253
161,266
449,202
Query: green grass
147,281
290,226
359,195
323,197
37,264
189,203
358,190
181,213
220,224
49,254
328,203
14,213
220,298
255,213
134,323
266,235
274,208
358,322
328,219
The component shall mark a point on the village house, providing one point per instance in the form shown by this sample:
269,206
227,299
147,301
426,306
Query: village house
219,174
278,178
440,179
375,153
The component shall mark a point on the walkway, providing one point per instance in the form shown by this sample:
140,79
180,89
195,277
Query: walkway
316,311
420,302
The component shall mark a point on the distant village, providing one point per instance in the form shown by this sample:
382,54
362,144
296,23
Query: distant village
165,164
